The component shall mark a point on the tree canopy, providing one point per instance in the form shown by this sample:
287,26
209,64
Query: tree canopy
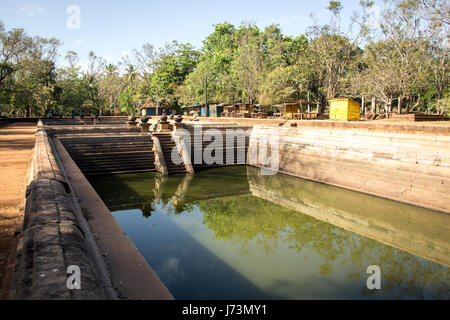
402,57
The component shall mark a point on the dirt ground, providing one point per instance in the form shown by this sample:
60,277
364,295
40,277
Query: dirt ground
16,149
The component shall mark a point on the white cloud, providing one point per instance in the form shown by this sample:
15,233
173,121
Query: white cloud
77,42
31,9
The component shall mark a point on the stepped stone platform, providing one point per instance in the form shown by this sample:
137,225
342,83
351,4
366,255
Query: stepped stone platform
96,154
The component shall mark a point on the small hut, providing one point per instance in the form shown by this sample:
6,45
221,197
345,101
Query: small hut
210,110
344,109
191,110
149,109
229,110
245,110
216,110
290,109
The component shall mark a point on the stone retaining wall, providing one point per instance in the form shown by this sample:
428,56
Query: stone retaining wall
422,232
436,128
409,168
53,237
233,147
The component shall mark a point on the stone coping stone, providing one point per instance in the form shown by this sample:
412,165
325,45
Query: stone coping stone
435,128
52,238
52,241
130,274
45,165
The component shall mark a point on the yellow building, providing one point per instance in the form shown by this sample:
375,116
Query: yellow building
344,109
291,110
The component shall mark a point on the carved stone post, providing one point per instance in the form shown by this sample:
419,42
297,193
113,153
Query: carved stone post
145,126
131,121
160,162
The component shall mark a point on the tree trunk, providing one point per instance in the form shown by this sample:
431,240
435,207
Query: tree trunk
363,105
206,92
309,106
374,105
399,105
416,104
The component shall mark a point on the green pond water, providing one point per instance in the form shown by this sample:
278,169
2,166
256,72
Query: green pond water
233,233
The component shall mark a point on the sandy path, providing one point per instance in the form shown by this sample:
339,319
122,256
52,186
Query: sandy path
16,149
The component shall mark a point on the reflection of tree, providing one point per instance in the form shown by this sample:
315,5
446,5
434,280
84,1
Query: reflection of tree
238,218
235,216
119,191
246,218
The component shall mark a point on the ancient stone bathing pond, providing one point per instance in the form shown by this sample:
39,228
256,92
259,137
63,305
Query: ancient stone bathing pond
233,233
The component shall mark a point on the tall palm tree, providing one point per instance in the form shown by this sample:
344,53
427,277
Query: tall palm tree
111,68
131,73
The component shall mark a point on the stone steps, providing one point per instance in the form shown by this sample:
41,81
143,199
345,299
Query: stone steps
120,162
106,172
111,155
111,149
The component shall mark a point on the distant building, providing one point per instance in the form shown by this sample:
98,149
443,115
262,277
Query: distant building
344,109
292,109
210,110
149,109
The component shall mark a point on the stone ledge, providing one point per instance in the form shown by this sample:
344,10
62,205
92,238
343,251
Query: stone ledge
45,165
435,128
128,271
413,170
52,240
53,237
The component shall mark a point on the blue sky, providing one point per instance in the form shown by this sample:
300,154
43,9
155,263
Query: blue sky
114,28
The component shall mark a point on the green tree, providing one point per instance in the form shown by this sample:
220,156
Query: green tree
15,46
127,101
247,67
175,61
111,85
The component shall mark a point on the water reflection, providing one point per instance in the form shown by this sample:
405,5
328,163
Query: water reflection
253,236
